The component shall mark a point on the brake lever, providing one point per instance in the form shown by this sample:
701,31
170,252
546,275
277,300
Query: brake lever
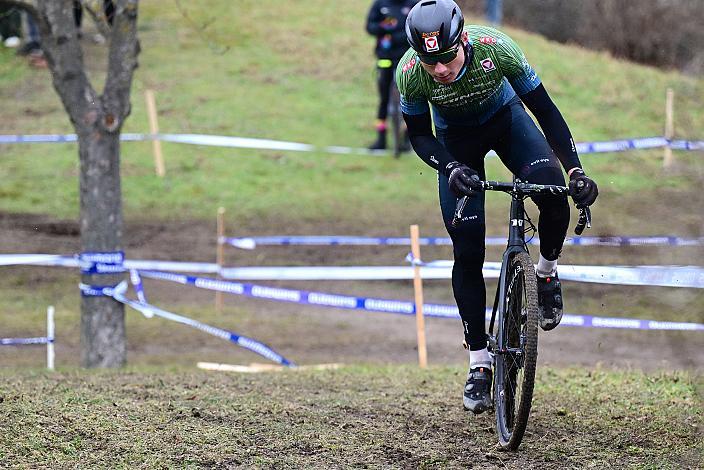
585,219
461,203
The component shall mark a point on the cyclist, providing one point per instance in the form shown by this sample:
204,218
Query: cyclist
386,21
474,80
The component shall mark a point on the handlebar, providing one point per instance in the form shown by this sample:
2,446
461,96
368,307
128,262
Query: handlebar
521,190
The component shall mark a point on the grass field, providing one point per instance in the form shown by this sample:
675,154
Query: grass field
234,68
379,417
286,77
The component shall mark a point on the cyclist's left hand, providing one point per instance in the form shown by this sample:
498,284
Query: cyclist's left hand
583,189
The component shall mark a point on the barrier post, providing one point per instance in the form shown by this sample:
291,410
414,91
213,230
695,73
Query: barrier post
50,337
154,129
220,254
669,127
418,290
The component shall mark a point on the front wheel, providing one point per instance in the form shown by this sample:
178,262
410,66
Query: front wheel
516,352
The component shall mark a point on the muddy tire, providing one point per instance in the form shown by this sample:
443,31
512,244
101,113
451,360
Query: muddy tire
517,337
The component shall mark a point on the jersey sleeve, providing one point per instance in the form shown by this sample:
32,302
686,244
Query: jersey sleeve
514,65
408,78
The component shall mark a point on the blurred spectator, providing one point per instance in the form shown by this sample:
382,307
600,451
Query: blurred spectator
108,11
494,12
387,22
10,25
32,43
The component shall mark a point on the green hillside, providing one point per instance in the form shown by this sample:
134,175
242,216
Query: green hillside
304,72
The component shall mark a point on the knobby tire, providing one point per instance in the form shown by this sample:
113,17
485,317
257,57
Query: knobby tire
517,330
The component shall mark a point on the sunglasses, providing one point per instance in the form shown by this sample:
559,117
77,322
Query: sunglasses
443,57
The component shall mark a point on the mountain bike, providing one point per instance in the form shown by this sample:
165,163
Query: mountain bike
514,347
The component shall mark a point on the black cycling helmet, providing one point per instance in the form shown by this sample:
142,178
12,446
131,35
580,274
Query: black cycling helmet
434,26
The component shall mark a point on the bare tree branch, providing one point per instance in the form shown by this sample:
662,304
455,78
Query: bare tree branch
122,62
65,57
95,10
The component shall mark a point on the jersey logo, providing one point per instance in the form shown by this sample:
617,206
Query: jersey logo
431,44
409,65
488,65
487,40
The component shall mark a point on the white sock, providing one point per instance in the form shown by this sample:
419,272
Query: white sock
479,358
546,268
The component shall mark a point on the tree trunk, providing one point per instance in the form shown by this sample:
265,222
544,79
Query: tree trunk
97,120
102,318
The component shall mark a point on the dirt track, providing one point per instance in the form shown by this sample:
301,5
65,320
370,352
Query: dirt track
309,334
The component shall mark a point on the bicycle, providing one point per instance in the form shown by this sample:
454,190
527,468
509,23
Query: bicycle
514,348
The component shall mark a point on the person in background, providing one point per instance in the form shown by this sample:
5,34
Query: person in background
386,21
494,12
108,11
10,25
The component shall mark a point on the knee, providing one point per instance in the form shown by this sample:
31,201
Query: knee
553,208
468,245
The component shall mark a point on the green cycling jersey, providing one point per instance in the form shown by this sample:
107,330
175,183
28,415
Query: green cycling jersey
497,70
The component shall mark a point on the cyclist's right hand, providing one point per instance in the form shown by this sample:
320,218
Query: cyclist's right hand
463,180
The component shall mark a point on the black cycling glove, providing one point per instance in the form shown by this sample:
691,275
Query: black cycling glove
582,188
463,180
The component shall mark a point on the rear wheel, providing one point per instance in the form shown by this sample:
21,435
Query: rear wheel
516,352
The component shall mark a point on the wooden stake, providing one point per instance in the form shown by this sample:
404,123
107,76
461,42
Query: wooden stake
669,127
220,254
418,290
154,129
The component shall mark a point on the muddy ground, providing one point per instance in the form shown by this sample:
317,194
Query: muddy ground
310,334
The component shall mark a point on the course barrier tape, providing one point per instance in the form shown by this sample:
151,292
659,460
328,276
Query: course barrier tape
402,307
660,276
25,341
250,243
149,311
268,144
73,262
49,339
101,262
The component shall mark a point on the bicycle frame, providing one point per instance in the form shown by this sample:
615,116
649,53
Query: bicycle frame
516,244
516,235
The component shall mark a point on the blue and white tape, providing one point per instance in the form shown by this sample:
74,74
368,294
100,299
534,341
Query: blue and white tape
110,262
73,262
662,276
268,144
395,306
137,285
250,243
149,311
25,341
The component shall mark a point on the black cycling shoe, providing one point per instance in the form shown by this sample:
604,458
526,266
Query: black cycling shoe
477,390
549,302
